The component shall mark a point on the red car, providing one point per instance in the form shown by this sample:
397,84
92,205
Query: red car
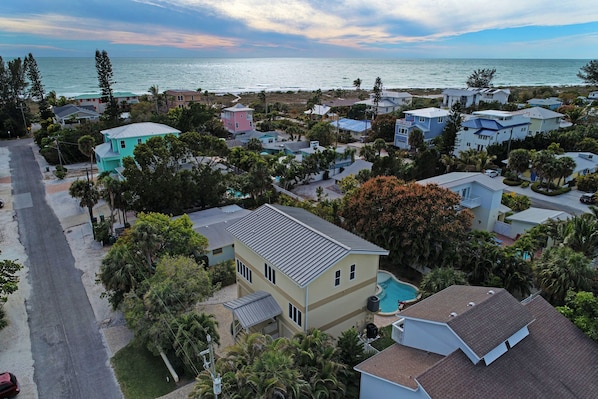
9,386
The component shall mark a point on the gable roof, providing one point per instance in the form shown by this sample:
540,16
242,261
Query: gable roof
353,169
318,109
212,223
453,179
556,360
538,215
142,129
69,109
538,113
297,242
238,108
494,316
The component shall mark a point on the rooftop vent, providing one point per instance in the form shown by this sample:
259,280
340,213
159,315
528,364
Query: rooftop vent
471,304
453,314
491,292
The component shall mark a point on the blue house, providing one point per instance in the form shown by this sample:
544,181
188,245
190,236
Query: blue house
431,122
551,103
119,142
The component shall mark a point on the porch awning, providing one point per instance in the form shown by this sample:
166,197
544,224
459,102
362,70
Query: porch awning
254,308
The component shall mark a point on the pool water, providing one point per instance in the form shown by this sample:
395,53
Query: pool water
393,292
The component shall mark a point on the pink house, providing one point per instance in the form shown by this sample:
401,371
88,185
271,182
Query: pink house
237,119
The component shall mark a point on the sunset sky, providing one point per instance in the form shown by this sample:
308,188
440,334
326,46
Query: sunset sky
301,28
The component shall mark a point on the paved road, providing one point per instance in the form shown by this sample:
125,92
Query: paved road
70,359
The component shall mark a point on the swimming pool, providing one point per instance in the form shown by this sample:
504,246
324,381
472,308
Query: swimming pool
394,291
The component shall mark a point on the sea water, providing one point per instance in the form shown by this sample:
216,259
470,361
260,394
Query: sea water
73,76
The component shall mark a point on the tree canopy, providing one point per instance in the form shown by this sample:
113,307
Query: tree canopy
589,73
418,224
481,77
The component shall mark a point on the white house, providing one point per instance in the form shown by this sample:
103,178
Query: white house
593,96
473,96
542,120
479,193
470,342
491,127
531,217
389,101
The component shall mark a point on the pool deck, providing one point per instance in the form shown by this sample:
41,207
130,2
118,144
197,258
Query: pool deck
383,321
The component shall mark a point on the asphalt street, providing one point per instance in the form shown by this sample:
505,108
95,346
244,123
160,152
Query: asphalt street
70,359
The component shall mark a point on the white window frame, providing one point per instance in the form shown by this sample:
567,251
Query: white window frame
352,272
270,273
337,278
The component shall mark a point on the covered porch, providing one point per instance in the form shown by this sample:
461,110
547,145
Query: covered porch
255,312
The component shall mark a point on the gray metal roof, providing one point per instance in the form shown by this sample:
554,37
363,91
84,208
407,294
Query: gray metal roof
139,130
254,308
104,150
297,242
454,179
212,223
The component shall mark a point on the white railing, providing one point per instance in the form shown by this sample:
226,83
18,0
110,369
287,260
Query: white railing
471,202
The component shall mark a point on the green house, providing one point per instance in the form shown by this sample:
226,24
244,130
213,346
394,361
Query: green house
119,142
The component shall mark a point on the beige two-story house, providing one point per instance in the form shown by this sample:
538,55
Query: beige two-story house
296,271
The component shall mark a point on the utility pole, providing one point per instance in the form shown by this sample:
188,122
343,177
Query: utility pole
210,367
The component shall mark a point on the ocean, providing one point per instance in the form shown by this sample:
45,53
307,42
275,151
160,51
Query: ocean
73,76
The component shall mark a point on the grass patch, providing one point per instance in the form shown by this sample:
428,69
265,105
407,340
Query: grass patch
140,374
385,339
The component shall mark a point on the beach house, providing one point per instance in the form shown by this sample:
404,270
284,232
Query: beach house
474,96
389,101
479,193
120,142
95,100
69,114
296,271
491,127
542,120
469,342
237,119
430,121
181,98
551,103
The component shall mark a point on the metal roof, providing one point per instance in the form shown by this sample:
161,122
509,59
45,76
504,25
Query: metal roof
430,112
139,130
538,215
70,109
297,242
212,223
454,179
104,150
254,308
352,125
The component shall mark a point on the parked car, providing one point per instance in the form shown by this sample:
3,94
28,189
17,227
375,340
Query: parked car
588,198
1,204
9,386
491,172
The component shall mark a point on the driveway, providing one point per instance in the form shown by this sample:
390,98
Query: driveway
567,202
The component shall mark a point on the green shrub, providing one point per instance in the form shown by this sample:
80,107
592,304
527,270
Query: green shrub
60,172
588,183
552,192
223,273
516,202
525,184
511,183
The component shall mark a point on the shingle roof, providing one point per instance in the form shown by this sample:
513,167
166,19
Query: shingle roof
254,308
556,360
139,130
495,316
297,242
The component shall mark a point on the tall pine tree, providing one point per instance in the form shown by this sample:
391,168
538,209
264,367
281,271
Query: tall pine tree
105,80
36,90
452,127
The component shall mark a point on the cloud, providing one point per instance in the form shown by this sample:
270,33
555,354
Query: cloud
65,27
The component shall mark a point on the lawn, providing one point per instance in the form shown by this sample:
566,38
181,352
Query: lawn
140,374
385,339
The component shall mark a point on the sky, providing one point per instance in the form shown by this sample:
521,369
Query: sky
544,29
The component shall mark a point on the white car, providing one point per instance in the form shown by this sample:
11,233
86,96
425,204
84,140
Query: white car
491,172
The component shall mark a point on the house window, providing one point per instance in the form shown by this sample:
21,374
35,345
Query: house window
123,144
352,273
236,125
270,273
440,120
180,98
244,271
337,278
468,144
422,119
295,314
217,251
138,141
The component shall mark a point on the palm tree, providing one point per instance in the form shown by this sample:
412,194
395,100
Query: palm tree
357,84
561,269
582,234
379,145
86,145
155,92
191,330
377,96
439,279
87,193
566,166
120,273
519,160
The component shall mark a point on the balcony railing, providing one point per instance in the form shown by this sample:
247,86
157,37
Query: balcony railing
471,202
397,331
